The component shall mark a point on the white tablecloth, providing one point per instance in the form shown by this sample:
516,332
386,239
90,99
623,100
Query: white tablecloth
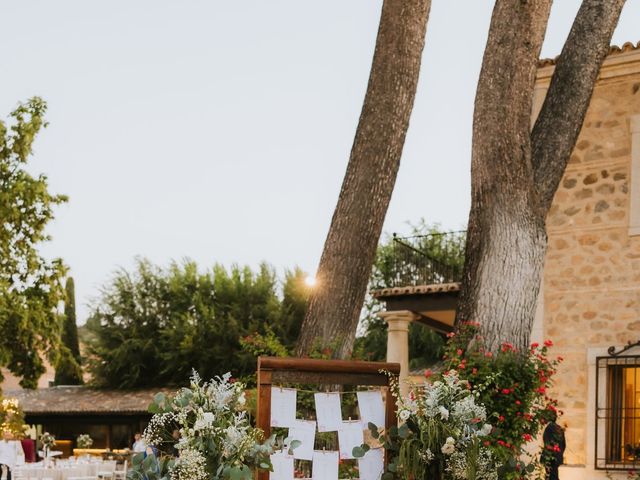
63,472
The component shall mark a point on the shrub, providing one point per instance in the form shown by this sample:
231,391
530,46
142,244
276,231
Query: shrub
513,386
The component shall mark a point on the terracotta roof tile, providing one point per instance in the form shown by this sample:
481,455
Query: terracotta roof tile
613,50
416,290
84,400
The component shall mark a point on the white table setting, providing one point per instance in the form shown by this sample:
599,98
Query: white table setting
64,470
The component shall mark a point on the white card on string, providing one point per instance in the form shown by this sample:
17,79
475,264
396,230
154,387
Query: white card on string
349,436
371,408
328,411
282,466
283,406
325,465
305,432
371,466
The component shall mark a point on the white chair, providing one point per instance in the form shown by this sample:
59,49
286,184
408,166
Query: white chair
82,478
107,469
121,474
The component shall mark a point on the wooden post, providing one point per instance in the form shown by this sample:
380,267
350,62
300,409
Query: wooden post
263,420
390,417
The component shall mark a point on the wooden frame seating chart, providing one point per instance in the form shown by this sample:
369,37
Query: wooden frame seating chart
276,372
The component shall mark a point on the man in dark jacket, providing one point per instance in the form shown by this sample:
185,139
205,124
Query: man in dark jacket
554,446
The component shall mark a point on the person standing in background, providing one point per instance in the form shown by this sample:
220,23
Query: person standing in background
139,445
11,454
554,446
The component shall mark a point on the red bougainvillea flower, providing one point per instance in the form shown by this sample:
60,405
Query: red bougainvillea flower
535,345
548,343
428,373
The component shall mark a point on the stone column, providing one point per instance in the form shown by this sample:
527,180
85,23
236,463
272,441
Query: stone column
398,342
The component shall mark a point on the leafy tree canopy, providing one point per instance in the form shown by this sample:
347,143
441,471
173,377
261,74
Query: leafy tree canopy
30,286
152,326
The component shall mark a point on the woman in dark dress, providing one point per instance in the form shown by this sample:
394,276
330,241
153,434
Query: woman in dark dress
554,446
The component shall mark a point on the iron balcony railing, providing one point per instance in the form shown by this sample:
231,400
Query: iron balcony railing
426,259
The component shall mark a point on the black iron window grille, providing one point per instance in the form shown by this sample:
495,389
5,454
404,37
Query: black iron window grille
617,434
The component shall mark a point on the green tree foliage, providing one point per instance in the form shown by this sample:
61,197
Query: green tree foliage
30,286
12,417
152,326
68,371
70,330
425,345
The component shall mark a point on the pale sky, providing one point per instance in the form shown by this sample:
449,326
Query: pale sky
220,130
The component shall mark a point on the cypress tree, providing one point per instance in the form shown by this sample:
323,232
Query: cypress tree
70,331
68,371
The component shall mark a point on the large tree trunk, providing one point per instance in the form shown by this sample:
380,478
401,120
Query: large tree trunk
334,309
515,173
506,238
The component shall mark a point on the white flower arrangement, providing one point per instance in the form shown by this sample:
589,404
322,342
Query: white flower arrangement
84,440
211,433
191,465
442,432
449,446
48,440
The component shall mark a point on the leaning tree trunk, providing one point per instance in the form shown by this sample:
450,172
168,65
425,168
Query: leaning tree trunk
334,308
506,237
515,173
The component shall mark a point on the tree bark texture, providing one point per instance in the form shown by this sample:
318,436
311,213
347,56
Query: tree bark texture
515,172
349,250
556,129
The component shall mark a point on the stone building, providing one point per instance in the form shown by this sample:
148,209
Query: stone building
590,294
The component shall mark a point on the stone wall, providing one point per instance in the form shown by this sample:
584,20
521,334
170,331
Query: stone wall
592,272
